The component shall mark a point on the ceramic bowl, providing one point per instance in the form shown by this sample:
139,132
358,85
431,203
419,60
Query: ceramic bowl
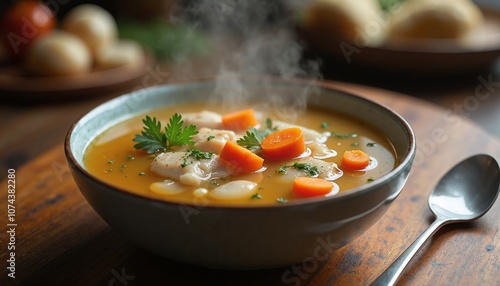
242,237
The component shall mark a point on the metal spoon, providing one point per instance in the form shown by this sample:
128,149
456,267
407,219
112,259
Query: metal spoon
464,194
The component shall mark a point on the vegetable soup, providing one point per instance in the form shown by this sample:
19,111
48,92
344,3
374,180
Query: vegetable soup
197,154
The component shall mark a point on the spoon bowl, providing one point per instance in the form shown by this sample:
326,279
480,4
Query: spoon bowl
464,194
468,190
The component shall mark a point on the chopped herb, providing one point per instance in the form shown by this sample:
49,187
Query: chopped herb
281,200
214,182
123,166
371,144
269,126
129,158
343,135
371,179
282,170
153,139
354,144
307,168
110,170
253,137
111,162
210,137
324,125
142,173
196,154
256,196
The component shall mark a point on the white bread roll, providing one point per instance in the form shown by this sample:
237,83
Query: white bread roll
58,53
435,19
120,53
359,21
94,25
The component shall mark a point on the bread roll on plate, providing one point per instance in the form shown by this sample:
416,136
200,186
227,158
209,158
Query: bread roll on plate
356,21
58,53
435,19
120,53
94,25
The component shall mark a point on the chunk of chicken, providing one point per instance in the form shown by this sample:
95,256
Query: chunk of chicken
213,140
321,151
208,119
180,166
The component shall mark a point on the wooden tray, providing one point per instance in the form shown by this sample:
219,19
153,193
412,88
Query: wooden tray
60,240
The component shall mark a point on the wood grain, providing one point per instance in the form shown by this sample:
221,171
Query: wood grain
60,240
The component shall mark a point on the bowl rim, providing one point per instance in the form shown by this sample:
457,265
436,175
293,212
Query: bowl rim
357,191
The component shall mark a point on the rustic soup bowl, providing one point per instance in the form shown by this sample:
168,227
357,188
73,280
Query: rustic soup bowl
242,237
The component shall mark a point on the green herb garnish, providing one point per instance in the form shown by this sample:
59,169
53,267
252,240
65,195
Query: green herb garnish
195,154
256,196
253,137
371,179
210,137
153,139
251,140
371,144
281,200
307,168
343,135
324,125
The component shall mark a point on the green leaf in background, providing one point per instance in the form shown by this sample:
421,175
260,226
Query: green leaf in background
386,5
166,40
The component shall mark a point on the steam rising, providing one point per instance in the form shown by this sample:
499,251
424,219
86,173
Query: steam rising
266,46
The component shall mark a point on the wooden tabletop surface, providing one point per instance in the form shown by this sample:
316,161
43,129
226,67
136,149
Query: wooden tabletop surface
60,240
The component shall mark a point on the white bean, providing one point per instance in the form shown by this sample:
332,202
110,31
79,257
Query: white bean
235,190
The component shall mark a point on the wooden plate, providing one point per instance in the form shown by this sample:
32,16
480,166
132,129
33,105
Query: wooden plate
429,56
16,85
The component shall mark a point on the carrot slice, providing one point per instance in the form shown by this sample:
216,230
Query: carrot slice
355,160
240,159
311,187
284,144
239,120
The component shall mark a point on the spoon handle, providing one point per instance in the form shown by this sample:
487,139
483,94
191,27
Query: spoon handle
391,275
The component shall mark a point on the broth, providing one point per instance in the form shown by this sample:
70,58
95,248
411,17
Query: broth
112,158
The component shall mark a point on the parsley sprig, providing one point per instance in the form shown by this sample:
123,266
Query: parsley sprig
253,137
153,139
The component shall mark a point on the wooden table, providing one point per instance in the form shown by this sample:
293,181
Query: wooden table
60,240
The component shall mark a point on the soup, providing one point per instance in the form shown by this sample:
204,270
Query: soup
208,170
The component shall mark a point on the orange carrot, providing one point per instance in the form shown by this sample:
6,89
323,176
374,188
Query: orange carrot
240,159
284,144
311,187
355,160
239,120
